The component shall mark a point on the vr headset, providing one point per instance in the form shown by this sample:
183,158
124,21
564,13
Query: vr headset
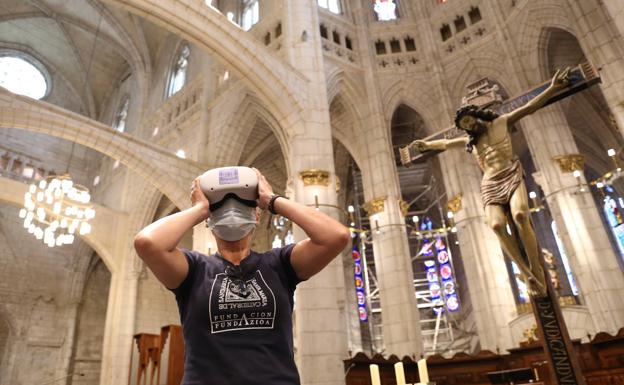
223,183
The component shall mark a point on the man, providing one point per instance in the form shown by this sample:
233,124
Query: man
503,190
236,305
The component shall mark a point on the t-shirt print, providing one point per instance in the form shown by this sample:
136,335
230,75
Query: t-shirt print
236,307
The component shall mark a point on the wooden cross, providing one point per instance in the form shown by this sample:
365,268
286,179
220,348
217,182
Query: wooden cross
558,349
484,94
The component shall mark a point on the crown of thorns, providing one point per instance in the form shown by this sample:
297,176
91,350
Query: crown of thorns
475,111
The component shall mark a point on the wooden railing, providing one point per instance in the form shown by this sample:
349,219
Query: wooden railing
157,359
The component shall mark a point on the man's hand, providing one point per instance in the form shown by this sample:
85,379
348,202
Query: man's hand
265,191
198,198
421,145
561,79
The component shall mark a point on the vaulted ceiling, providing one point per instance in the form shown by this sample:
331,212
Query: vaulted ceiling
68,36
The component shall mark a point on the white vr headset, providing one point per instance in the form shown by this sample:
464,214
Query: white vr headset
220,184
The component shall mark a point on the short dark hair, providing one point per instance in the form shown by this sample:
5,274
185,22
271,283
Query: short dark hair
478,113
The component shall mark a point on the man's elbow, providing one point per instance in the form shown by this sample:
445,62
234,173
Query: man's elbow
142,244
342,237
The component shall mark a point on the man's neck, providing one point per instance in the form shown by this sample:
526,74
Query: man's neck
235,251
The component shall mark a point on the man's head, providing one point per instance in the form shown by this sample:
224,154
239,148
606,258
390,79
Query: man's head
471,119
232,193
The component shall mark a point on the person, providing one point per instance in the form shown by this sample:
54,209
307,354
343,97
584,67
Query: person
503,190
236,305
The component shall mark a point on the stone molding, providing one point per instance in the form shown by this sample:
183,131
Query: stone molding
455,204
314,177
375,206
404,206
570,162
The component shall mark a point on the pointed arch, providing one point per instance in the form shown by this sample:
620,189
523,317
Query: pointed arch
282,87
419,96
489,64
234,132
344,95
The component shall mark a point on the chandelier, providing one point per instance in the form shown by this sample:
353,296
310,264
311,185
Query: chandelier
55,209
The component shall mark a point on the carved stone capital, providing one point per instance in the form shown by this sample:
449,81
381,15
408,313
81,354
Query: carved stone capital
455,204
375,206
570,162
314,177
404,207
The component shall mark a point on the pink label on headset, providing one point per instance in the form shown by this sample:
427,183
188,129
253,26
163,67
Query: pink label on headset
228,176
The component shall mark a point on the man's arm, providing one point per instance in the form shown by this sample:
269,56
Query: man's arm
157,243
559,81
439,145
326,236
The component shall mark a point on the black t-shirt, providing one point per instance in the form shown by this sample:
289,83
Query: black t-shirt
237,320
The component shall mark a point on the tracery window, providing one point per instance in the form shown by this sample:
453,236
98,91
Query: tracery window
564,259
122,114
613,206
385,9
177,78
332,6
251,15
23,76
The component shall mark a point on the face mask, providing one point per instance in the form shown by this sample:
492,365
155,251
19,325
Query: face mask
232,221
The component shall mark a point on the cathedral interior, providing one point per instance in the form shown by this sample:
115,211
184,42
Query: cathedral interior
122,103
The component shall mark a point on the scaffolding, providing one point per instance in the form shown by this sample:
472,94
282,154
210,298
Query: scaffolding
441,332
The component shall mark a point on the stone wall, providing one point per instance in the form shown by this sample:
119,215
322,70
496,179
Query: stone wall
40,290
87,356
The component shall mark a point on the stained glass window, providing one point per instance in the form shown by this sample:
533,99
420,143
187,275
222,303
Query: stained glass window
385,9
20,76
438,267
178,72
358,275
613,213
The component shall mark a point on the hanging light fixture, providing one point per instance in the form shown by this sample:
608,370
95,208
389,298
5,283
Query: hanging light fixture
56,208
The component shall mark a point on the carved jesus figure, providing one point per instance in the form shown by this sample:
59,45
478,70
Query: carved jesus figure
503,190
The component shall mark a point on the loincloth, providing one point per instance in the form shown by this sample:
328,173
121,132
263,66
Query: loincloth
497,189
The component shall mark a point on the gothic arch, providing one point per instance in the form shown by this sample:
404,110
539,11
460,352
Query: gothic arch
281,87
346,117
232,136
587,113
489,64
539,16
162,169
423,99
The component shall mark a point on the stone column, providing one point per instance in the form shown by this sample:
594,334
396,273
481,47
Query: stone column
400,316
395,278
120,323
320,315
203,239
599,29
486,273
320,302
121,310
599,278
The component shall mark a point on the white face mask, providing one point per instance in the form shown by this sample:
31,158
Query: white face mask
232,221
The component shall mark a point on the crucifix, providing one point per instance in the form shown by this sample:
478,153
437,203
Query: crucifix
482,126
